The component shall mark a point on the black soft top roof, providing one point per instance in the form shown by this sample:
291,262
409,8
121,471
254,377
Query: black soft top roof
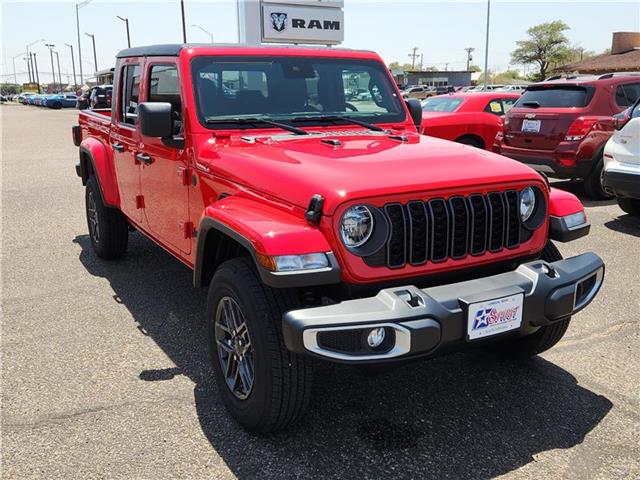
165,50
173,49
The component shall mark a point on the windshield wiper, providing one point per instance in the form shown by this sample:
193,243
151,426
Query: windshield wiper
254,121
337,118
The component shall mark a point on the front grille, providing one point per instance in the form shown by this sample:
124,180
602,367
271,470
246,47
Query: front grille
441,229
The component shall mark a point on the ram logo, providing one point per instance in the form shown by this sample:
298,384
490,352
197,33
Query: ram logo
278,21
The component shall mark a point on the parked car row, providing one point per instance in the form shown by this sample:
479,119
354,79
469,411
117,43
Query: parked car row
56,100
96,97
558,127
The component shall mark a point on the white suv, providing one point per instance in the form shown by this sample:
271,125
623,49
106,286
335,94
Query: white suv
622,160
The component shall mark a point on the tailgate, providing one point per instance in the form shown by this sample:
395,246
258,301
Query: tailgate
537,130
543,114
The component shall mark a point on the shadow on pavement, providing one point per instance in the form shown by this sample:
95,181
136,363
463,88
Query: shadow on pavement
626,224
468,415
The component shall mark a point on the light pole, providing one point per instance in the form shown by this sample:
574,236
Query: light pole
486,49
73,65
35,66
184,27
31,76
59,73
53,70
205,31
95,58
28,68
78,7
126,20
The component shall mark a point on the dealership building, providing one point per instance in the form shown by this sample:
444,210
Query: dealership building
446,78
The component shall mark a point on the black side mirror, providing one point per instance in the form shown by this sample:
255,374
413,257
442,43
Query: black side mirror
415,110
155,119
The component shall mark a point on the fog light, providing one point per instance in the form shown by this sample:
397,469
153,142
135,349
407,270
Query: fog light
376,337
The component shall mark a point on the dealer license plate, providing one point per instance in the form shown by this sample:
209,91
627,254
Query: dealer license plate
531,126
492,317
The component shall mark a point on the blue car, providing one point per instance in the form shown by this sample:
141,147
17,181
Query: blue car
61,101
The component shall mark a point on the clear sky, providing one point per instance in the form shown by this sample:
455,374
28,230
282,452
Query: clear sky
441,30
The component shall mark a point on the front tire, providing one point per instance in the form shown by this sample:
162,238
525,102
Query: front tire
264,386
108,227
545,337
630,206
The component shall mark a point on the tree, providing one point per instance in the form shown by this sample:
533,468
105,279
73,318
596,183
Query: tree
405,67
474,68
10,88
547,46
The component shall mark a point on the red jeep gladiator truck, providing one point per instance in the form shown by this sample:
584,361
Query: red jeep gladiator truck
325,229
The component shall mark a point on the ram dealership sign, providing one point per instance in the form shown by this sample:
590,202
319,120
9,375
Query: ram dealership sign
291,21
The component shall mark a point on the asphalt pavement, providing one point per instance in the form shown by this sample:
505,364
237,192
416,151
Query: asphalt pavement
105,370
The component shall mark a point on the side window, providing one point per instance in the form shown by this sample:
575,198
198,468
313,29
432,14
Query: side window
507,103
495,107
627,95
130,91
635,113
164,87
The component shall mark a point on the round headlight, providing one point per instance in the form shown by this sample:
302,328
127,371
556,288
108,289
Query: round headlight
527,203
356,226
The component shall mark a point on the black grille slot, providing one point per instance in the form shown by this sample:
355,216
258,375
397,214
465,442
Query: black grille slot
348,341
439,229
418,233
479,224
440,220
459,227
397,239
497,223
513,219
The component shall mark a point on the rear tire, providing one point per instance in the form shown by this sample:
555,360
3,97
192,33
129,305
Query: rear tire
630,206
593,184
108,227
542,339
280,385
472,141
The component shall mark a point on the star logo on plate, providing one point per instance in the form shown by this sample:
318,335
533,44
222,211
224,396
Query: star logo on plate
480,320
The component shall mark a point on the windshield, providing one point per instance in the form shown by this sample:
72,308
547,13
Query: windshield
284,88
442,104
559,96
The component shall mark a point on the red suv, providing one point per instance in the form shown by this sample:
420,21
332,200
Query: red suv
560,126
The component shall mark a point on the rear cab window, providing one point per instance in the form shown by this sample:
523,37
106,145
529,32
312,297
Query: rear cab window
556,96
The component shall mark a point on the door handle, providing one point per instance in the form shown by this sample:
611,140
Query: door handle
144,158
118,147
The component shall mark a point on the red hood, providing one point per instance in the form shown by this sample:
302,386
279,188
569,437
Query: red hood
365,165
